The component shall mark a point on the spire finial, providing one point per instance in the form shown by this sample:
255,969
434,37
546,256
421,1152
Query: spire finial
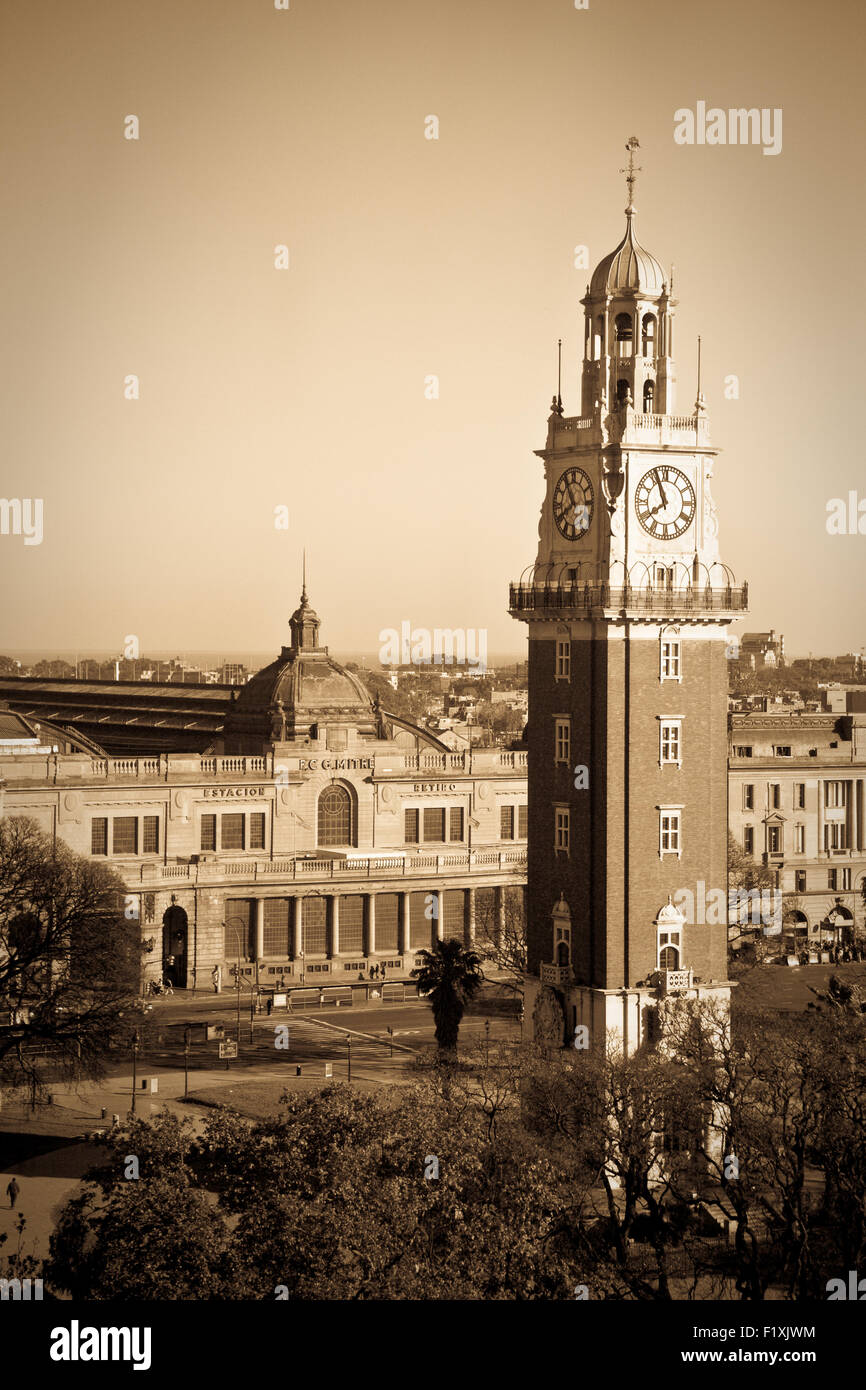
631,173
559,377
304,575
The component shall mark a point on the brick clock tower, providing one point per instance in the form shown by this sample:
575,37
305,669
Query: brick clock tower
627,605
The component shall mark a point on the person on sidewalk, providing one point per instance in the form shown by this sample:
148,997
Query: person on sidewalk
12,1190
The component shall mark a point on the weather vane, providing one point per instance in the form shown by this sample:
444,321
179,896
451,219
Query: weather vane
632,171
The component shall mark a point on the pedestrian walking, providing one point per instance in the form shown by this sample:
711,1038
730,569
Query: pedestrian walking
217,976
12,1190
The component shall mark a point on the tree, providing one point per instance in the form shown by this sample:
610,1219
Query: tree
69,960
452,976
504,947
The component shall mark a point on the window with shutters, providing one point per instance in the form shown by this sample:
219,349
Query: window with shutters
315,924
522,822
232,830
352,924
150,835
562,828
506,823
207,836
124,835
277,941
257,830
455,823
434,823
562,741
410,826
99,835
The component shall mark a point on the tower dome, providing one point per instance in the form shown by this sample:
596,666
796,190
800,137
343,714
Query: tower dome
304,694
628,267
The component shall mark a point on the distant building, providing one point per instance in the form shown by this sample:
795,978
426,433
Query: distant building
796,805
233,673
759,649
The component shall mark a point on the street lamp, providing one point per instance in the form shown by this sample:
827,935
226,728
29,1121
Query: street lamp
135,1041
237,980
349,1054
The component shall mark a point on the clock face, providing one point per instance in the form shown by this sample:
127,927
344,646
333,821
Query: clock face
665,502
572,504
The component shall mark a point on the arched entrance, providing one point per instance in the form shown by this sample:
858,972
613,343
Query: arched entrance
174,944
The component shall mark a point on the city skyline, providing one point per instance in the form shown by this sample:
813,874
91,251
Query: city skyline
408,258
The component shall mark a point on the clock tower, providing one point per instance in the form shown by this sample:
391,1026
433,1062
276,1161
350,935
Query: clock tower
626,605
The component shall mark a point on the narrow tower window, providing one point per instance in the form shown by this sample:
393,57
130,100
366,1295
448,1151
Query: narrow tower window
623,331
649,335
648,396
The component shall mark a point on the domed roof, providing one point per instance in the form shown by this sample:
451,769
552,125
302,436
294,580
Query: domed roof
628,267
299,691
670,916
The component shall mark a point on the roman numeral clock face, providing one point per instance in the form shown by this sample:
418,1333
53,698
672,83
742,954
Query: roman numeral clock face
572,504
665,502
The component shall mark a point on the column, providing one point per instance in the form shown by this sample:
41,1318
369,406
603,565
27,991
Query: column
406,925
469,916
371,924
335,927
440,913
498,915
260,928
820,818
294,928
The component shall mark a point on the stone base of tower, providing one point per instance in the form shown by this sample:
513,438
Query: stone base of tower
557,1013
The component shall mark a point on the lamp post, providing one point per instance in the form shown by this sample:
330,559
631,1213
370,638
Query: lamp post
186,1028
237,981
135,1041
349,1054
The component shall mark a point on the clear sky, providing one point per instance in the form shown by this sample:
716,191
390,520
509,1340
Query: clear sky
409,257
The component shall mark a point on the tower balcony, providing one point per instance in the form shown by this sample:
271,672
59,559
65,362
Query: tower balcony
672,981
690,431
557,976
549,599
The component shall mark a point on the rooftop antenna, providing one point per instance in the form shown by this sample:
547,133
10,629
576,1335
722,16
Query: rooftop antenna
631,172
559,378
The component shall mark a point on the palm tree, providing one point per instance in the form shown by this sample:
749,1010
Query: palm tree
452,976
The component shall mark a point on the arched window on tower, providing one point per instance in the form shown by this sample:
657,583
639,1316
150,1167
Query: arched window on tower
335,821
648,340
622,390
598,338
648,394
669,950
624,335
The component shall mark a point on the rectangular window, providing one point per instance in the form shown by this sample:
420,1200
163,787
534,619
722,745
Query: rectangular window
749,796
670,659
749,840
434,823
276,927
208,832
781,750
669,737
455,823
150,835
506,822
522,822
775,795
410,826
800,881
845,885
232,830
563,660
799,839
124,835
835,836
257,830
669,833
562,829
388,919
352,925
99,835
832,876
742,750
774,839
315,926
799,796
834,793
562,741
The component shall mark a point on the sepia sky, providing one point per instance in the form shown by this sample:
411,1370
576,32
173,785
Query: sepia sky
409,257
